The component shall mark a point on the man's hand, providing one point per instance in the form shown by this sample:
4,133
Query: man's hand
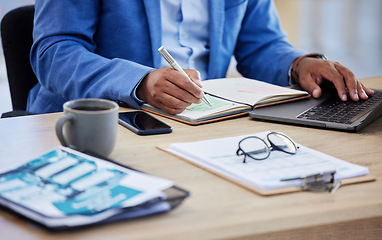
312,72
169,90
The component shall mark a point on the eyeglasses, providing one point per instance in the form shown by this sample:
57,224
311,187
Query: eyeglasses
257,149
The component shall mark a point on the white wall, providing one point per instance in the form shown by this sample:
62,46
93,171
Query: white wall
348,31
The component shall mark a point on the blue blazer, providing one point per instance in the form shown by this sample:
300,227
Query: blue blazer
103,48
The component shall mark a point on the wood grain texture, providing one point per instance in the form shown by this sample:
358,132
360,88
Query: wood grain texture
217,208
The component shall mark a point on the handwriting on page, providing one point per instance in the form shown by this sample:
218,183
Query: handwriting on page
215,103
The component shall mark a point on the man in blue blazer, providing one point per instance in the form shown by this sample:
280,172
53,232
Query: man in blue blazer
109,49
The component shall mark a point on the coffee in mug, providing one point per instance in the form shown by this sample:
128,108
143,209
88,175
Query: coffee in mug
89,125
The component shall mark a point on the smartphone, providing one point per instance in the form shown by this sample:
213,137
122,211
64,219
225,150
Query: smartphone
143,123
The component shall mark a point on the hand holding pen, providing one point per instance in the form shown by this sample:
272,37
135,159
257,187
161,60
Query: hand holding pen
176,66
170,90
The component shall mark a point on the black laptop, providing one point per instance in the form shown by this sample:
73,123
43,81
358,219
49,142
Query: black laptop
326,112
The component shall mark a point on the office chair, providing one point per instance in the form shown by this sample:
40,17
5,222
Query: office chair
16,36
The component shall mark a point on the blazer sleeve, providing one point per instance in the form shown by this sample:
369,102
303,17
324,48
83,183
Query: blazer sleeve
65,59
262,50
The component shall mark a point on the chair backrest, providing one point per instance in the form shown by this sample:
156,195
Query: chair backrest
16,36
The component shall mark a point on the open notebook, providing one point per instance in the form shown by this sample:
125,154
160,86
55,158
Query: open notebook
232,97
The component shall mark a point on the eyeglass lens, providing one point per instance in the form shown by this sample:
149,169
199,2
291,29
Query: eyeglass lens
255,147
282,142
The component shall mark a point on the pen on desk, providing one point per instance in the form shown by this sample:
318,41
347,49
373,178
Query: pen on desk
176,66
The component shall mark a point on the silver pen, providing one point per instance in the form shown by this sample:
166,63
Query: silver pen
176,66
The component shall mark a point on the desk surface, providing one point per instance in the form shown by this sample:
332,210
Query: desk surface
218,208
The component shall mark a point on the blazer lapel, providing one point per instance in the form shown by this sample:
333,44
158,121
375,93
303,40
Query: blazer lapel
153,14
216,10
216,35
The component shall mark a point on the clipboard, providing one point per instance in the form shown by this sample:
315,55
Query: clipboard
296,187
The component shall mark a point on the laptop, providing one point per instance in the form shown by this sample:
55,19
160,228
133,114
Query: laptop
328,111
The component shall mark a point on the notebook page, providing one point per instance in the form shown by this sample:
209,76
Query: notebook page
248,91
195,111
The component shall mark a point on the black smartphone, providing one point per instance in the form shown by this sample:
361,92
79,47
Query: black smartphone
143,123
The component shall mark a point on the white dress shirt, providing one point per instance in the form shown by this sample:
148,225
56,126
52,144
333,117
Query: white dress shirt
185,33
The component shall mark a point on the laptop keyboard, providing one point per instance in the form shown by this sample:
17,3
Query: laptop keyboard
335,110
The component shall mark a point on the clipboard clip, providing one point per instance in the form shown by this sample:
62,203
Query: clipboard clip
319,182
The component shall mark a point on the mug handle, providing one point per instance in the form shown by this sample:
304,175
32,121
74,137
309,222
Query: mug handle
60,126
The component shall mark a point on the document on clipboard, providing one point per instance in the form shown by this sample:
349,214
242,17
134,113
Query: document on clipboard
267,177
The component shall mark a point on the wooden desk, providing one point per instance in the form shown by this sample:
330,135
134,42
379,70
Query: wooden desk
218,208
